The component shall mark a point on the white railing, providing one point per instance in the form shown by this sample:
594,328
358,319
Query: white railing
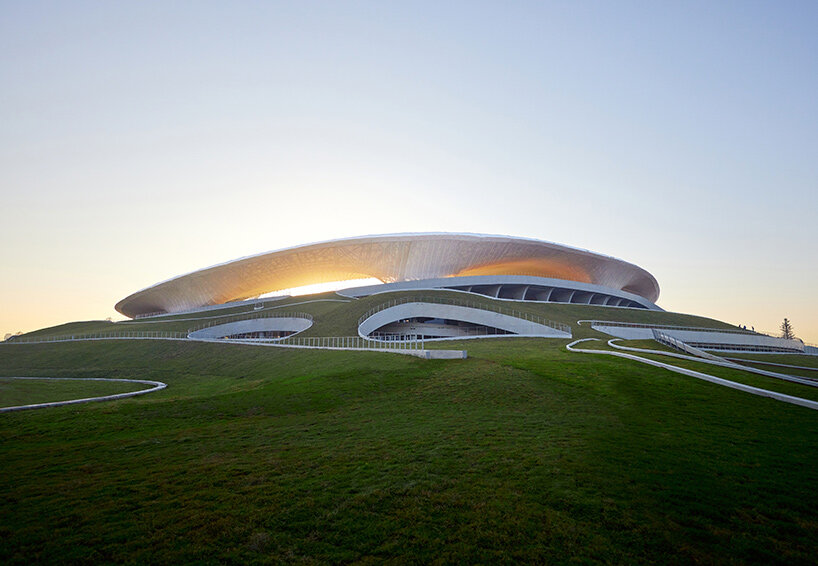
148,314
459,303
150,334
663,338
677,344
343,343
412,343
125,335
664,326
462,333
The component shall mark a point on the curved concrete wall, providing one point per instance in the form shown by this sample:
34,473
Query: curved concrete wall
734,339
517,288
453,312
702,338
253,325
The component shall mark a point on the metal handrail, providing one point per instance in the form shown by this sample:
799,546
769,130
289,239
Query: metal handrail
466,333
454,302
157,334
697,348
148,314
131,334
677,344
413,343
342,342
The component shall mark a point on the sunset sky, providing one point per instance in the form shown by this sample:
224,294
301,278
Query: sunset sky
143,140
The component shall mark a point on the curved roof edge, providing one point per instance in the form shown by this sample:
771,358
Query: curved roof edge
389,257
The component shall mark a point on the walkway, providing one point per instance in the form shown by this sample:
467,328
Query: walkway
155,386
697,374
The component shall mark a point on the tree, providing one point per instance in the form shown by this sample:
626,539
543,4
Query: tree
786,330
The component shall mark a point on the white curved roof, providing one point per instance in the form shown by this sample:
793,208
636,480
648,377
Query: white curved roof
390,258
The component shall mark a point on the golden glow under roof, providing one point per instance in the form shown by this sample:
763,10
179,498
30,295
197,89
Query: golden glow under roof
389,258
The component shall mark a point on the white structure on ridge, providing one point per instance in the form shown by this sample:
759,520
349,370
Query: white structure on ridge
498,266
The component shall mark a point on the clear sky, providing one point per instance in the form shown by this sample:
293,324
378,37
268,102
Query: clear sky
143,140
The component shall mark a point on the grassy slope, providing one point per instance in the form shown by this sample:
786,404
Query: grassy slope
756,380
334,318
644,344
805,361
808,373
789,359
25,392
524,452
315,304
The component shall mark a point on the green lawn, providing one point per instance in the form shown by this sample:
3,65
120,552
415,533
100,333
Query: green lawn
805,360
644,344
740,376
522,453
15,392
335,315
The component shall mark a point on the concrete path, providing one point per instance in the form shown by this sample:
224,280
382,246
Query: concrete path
763,363
155,386
716,361
698,375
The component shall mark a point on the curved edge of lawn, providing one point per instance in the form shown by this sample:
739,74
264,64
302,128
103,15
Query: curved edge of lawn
719,362
699,375
156,386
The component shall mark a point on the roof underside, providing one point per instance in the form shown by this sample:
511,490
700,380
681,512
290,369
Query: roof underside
390,258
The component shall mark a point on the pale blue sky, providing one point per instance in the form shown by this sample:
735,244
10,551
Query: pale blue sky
142,140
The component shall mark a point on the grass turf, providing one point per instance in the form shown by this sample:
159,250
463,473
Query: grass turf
805,360
739,376
338,316
524,452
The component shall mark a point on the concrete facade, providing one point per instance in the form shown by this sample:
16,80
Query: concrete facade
516,288
277,324
491,319
707,339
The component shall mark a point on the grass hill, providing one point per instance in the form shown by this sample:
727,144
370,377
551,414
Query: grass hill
336,315
524,452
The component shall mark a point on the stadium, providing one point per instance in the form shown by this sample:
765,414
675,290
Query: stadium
497,266
508,270
455,397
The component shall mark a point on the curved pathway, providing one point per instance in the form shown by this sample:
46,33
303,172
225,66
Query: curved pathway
697,374
716,361
156,386
743,361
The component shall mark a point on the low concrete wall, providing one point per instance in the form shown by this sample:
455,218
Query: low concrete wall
626,332
454,312
810,404
498,281
155,386
394,348
444,354
735,339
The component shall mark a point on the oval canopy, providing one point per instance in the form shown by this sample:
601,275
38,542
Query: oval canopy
390,258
